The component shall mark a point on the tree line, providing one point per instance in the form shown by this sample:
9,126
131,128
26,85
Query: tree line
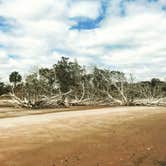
68,83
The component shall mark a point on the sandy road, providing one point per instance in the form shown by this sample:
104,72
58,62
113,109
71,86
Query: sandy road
108,136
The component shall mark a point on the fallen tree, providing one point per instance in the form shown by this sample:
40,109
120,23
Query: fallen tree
45,102
150,102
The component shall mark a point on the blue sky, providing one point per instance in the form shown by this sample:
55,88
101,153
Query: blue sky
86,23
127,35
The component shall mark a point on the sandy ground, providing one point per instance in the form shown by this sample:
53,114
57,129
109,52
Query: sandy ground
7,110
122,136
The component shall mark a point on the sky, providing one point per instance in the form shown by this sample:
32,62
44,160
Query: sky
125,35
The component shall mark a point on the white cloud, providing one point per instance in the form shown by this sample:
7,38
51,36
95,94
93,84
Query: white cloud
33,9
3,57
132,43
86,8
163,2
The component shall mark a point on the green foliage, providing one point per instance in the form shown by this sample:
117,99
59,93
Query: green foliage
68,74
47,75
33,87
15,78
4,89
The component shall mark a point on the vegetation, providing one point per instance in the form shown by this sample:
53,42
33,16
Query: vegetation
67,83
15,78
4,89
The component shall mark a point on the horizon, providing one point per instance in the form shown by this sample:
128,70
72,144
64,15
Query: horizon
88,70
123,35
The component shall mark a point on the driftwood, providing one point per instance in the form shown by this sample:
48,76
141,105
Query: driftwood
64,100
150,102
45,102
16,101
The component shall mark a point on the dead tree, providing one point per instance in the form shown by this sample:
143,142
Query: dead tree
114,79
45,102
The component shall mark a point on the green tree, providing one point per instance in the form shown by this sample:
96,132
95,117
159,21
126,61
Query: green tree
156,87
68,74
48,79
33,87
4,88
15,78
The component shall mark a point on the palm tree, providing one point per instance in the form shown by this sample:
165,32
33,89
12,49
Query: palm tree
15,78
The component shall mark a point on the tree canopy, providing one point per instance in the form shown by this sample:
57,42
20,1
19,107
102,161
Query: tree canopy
68,83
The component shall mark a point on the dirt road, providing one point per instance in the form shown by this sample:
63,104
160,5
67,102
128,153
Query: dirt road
129,136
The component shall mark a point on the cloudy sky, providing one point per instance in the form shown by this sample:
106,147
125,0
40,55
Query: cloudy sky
126,35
